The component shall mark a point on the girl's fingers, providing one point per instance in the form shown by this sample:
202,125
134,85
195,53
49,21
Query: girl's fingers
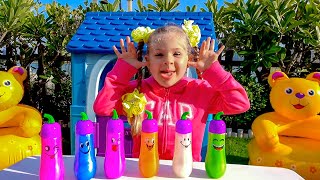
203,45
131,48
123,49
116,51
220,50
208,43
193,64
128,40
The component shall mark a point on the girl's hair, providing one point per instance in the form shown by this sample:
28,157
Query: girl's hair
168,29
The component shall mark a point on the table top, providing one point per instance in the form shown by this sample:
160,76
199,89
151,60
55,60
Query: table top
28,169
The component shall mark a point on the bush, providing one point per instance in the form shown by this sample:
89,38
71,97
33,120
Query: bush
258,94
54,100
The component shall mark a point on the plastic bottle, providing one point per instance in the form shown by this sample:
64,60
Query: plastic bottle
85,164
149,156
114,162
215,162
182,157
51,161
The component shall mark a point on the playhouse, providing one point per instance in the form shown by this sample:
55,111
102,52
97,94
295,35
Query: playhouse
92,58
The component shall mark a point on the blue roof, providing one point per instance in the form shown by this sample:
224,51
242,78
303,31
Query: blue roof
101,30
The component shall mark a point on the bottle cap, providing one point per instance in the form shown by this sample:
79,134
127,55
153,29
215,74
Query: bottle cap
115,125
184,125
84,126
217,125
50,129
149,125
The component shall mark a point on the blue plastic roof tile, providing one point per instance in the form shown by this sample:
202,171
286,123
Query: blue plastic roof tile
86,38
101,30
82,32
129,14
91,45
125,18
106,27
97,32
116,22
152,18
138,18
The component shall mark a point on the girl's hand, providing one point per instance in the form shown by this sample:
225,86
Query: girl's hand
206,55
130,54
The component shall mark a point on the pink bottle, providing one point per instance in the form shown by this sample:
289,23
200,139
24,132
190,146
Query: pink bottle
114,162
51,162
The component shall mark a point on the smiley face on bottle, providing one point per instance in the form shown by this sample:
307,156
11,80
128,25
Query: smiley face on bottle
149,143
185,140
218,142
84,144
115,142
51,150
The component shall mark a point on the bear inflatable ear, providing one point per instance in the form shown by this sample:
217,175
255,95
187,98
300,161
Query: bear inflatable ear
19,73
276,76
315,76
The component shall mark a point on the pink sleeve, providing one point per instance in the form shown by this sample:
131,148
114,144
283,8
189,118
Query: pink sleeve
115,85
229,96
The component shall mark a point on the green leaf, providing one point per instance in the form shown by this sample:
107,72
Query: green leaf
267,64
273,50
243,53
43,77
318,33
272,59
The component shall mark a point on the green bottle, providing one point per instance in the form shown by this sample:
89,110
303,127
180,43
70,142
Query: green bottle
215,162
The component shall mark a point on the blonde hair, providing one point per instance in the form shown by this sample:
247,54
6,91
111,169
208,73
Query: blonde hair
168,29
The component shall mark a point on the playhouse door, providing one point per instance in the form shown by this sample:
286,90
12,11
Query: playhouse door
102,122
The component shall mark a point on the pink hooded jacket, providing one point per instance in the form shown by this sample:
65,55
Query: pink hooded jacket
218,92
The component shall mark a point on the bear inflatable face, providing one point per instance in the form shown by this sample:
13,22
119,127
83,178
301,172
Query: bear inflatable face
295,98
11,87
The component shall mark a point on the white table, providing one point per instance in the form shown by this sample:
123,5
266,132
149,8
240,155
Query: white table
28,169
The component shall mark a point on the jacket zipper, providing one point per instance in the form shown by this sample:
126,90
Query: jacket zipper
165,122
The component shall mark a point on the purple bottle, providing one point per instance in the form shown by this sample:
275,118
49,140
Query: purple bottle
114,162
51,161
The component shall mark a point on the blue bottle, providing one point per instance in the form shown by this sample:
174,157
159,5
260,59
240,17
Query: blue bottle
85,165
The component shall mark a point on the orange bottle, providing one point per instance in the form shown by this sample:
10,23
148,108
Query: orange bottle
149,156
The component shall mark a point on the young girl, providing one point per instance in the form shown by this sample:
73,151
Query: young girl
168,92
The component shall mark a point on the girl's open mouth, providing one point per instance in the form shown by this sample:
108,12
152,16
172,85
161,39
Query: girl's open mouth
166,74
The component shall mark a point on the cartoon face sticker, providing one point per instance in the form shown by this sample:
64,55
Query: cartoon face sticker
115,142
84,144
185,140
218,142
51,150
149,143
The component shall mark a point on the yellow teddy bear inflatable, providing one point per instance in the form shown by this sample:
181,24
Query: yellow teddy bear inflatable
289,137
19,124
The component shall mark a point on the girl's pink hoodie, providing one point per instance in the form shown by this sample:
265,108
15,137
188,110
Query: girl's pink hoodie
218,92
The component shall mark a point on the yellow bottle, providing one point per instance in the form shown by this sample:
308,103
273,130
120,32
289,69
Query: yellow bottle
149,156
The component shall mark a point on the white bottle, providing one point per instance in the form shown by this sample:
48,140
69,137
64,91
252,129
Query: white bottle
182,157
